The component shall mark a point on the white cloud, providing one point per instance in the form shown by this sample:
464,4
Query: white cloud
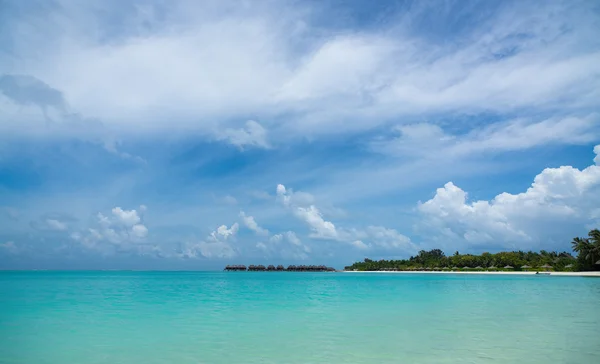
252,135
215,245
218,65
111,145
559,203
376,237
140,231
224,233
359,245
251,224
126,217
497,137
124,229
56,225
389,238
52,222
217,249
321,228
276,238
261,246
292,238
286,245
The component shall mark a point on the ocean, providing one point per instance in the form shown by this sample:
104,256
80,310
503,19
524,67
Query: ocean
280,317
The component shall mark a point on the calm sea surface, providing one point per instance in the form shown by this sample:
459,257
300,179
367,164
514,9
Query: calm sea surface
235,317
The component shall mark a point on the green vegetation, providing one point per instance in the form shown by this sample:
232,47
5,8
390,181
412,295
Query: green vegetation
587,249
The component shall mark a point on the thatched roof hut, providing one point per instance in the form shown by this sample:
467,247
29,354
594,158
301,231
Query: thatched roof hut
508,267
235,268
256,268
280,268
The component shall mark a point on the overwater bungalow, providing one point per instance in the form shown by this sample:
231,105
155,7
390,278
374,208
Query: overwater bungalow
280,268
256,268
235,268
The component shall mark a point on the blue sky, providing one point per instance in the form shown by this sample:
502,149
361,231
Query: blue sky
190,135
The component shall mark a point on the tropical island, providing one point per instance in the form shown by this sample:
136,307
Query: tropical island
587,259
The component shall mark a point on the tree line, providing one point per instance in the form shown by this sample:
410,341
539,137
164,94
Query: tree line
587,258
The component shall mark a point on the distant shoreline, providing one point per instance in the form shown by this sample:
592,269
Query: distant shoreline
529,273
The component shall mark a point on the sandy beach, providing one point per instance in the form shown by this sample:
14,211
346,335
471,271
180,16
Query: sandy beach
562,274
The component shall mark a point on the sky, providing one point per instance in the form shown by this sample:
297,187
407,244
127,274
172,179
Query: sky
140,134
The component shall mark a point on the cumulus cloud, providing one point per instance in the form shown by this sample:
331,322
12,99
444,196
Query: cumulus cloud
292,238
253,134
251,224
373,237
224,233
558,204
127,218
216,244
139,231
321,228
286,245
123,229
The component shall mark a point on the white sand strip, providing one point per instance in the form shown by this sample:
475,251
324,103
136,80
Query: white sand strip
568,274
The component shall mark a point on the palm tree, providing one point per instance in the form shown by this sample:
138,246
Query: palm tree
581,245
594,240
588,249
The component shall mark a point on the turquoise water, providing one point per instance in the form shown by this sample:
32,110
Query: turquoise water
236,317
